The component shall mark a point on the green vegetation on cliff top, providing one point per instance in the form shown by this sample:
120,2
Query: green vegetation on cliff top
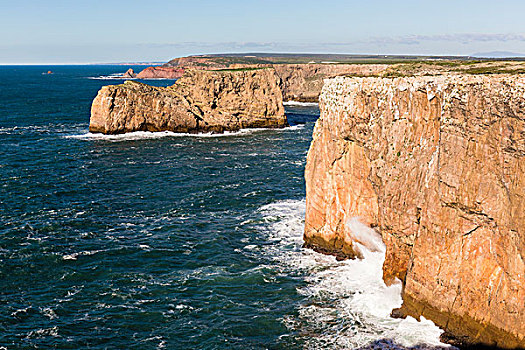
278,58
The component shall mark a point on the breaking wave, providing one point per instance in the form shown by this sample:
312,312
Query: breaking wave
347,303
297,103
115,76
145,135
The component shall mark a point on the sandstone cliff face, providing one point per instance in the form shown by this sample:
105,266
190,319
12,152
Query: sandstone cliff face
201,101
299,82
437,166
303,82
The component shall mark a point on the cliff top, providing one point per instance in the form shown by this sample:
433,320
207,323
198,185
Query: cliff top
283,58
454,67
393,66
448,78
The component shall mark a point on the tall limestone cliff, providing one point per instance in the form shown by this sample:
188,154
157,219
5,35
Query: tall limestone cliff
437,165
200,101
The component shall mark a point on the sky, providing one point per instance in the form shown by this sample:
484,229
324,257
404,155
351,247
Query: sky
95,31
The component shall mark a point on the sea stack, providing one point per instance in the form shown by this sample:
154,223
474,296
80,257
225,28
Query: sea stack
436,164
160,73
200,101
129,74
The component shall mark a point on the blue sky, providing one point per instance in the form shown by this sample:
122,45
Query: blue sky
57,31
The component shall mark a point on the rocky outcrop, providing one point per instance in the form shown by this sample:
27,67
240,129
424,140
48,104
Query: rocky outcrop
437,166
160,73
129,74
201,101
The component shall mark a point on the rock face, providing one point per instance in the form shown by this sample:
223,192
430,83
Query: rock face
160,73
303,82
437,166
299,82
201,101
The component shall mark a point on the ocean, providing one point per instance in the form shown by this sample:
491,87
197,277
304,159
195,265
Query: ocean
161,240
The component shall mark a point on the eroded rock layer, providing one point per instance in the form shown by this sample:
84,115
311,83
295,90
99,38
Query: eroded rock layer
437,166
200,101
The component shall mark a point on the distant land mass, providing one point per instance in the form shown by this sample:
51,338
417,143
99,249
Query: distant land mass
301,58
498,54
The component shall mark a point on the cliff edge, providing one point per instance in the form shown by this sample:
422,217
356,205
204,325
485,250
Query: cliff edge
200,101
437,165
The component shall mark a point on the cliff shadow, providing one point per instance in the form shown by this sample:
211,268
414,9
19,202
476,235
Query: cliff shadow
390,344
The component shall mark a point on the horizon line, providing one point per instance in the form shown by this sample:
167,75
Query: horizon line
153,62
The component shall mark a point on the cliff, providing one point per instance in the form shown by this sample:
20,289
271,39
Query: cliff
298,82
160,73
437,166
200,101
303,82
302,76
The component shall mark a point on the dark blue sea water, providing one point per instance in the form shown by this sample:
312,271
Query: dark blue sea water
163,241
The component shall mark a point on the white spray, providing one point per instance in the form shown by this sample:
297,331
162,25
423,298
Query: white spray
349,304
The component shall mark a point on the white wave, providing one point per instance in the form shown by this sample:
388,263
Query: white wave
19,129
144,135
294,127
44,332
111,77
20,311
297,103
74,256
49,312
349,304
42,129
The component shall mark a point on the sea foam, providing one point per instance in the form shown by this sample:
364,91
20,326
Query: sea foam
297,103
348,304
144,135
